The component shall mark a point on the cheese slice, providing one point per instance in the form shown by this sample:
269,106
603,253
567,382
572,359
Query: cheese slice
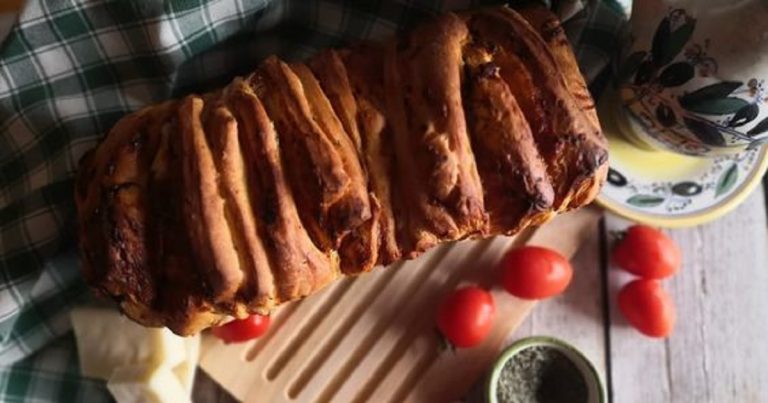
146,384
107,340
185,371
140,364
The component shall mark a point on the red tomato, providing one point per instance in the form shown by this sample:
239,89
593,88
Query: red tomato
647,307
533,272
465,316
241,330
647,252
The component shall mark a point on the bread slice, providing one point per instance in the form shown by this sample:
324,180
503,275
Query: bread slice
436,169
299,266
569,142
517,189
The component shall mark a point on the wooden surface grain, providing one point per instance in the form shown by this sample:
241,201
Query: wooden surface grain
717,352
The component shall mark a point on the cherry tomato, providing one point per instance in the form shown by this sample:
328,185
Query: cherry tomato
465,316
240,330
647,307
647,252
533,272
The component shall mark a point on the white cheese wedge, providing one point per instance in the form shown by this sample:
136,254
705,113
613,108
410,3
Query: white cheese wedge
107,340
186,370
146,384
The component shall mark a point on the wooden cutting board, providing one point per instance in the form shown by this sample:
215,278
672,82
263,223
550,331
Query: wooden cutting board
372,338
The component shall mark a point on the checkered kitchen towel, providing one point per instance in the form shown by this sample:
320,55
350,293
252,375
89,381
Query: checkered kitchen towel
70,69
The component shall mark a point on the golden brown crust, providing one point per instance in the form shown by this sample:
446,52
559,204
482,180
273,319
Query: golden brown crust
321,162
366,78
313,168
359,250
570,144
438,178
265,191
518,192
551,31
183,295
298,265
352,210
332,76
203,206
112,209
257,287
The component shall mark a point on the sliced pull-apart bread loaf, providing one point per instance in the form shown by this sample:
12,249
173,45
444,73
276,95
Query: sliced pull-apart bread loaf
233,202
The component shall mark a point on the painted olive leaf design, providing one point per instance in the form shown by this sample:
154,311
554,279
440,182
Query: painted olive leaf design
676,74
645,200
660,37
744,115
727,180
677,40
714,99
645,72
630,65
760,128
710,92
667,44
720,106
704,131
665,115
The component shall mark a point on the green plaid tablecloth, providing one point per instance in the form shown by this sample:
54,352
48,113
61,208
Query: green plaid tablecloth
70,69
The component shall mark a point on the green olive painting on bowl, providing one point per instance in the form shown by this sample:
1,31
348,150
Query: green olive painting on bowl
692,84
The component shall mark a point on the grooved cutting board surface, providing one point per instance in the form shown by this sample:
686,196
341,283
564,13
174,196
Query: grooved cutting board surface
372,338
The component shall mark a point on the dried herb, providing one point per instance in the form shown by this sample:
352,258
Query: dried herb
541,374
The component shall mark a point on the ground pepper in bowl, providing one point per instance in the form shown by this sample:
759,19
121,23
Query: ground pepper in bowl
541,374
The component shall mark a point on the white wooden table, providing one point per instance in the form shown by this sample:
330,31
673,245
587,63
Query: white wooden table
718,351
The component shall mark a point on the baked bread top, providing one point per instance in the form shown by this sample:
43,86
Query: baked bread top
233,202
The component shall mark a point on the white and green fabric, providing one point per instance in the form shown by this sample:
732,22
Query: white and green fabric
70,69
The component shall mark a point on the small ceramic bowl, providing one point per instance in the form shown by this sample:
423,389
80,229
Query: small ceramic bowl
693,81
595,389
